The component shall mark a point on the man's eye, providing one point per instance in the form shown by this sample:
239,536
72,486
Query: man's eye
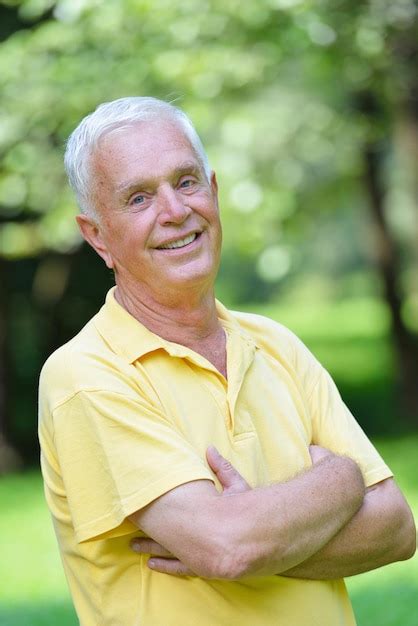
138,200
186,183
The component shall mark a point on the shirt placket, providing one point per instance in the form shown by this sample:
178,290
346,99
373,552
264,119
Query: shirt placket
240,355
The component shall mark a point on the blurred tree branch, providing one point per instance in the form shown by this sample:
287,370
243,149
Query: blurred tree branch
297,102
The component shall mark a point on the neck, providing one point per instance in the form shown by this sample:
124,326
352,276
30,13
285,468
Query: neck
190,321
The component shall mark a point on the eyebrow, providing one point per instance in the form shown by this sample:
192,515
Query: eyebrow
188,167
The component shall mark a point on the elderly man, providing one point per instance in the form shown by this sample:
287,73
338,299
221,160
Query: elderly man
132,407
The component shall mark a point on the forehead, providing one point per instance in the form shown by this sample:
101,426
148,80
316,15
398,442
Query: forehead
142,150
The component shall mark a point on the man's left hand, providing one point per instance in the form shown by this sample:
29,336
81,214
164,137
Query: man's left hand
161,559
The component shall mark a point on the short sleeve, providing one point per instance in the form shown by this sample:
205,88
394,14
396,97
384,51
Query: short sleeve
117,454
335,428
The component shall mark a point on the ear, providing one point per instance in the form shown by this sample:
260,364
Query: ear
214,185
90,229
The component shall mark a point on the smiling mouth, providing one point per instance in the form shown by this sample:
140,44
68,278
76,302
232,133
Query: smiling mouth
179,243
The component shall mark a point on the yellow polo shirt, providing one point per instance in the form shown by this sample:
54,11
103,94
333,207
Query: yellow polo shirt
126,416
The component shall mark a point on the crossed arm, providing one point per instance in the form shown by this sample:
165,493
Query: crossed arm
320,524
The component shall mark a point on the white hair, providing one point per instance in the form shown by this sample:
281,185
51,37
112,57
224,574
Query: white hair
108,116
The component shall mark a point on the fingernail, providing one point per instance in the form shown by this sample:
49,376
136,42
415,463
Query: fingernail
213,449
151,562
135,545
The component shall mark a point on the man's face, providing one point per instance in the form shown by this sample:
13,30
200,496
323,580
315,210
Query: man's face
158,225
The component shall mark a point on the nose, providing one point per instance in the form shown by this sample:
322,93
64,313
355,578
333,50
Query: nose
171,207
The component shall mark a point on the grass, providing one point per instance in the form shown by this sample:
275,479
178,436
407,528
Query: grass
388,596
33,589
350,339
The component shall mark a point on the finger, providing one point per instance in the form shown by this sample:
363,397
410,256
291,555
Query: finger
230,479
145,545
174,567
318,453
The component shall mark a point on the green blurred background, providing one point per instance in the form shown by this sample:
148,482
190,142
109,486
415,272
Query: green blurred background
309,112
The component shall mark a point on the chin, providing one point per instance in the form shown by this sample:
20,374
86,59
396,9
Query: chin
190,280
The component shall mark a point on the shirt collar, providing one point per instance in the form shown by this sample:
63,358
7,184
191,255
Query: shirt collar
132,340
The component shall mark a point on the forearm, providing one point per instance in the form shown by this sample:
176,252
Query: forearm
287,523
382,531
245,531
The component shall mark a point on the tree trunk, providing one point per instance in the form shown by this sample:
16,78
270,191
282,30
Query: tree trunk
9,458
404,341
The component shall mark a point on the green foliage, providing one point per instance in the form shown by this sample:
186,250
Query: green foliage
272,87
284,94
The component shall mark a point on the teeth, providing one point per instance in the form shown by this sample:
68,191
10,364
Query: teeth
179,243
